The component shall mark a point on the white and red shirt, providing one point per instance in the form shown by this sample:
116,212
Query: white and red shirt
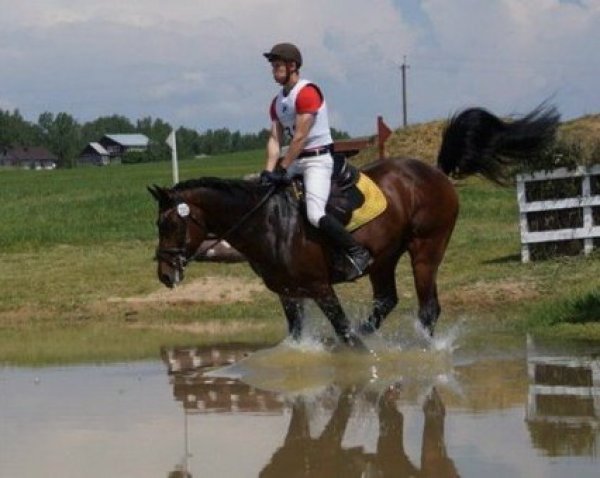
304,97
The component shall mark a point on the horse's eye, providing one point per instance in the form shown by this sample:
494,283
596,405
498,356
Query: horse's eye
165,227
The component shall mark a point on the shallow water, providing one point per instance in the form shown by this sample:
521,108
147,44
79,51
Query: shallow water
506,408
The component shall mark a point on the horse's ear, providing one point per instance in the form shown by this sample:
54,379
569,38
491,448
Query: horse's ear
154,191
160,194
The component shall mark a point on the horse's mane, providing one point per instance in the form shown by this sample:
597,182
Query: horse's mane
234,187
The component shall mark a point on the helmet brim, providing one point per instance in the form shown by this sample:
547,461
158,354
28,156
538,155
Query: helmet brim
271,57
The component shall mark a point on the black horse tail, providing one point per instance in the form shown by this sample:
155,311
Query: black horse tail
477,142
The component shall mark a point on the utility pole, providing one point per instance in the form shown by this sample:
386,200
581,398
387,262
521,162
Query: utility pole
404,67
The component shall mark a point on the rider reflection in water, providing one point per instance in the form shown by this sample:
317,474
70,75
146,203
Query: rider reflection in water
300,112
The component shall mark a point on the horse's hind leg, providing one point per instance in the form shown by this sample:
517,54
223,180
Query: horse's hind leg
294,313
331,307
426,256
385,296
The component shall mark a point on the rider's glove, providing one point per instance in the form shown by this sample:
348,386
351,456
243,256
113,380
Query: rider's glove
275,178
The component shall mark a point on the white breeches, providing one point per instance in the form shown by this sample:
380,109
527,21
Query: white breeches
316,171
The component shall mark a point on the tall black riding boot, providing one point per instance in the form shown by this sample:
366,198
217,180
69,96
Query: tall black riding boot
358,256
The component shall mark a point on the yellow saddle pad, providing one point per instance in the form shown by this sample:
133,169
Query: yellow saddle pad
375,203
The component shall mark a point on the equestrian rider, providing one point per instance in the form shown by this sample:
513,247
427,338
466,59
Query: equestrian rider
300,111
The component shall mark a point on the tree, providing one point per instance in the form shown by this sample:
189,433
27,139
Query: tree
337,134
157,131
62,135
221,140
16,131
114,124
188,142
65,137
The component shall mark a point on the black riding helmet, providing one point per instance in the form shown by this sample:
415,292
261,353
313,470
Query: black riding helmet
285,52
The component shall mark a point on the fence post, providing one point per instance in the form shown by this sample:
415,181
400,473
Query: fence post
588,220
522,200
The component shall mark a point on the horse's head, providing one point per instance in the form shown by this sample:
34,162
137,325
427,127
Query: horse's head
181,230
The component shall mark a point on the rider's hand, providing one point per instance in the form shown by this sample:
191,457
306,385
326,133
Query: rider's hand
275,178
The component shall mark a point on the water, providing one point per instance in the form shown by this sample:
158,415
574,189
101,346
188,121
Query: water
507,408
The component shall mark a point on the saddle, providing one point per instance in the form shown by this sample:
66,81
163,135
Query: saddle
354,199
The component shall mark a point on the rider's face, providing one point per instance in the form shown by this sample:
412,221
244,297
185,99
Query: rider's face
280,74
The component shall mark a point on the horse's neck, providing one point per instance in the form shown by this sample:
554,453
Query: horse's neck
255,230
224,211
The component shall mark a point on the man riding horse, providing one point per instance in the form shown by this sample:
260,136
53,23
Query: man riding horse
300,112
421,207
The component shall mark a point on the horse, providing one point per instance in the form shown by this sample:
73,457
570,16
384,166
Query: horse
296,263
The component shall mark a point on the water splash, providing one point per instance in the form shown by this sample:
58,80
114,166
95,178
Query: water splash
448,339
409,359
308,343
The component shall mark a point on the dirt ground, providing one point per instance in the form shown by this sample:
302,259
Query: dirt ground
213,289
224,290
488,293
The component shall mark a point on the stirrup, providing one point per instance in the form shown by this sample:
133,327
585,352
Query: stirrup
357,269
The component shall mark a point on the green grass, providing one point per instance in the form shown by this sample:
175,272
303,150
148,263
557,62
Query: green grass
91,205
581,309
71,240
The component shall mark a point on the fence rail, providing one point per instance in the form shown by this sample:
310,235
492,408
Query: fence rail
585,200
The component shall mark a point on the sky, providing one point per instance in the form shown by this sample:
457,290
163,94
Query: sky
199,64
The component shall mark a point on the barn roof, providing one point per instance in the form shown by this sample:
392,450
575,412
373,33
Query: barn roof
98,148
35,153
129,140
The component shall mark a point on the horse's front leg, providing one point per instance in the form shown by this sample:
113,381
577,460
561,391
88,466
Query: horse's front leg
426,255
385,296
294,313
331,307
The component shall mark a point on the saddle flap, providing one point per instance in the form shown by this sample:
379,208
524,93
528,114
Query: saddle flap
345,175
354,198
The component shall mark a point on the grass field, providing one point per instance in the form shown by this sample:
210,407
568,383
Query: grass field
91,205
76,245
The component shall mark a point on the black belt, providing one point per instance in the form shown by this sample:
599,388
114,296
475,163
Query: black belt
316,152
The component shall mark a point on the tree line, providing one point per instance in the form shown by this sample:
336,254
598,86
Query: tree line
64,136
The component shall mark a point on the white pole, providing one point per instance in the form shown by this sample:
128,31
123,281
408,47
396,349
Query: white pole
174,159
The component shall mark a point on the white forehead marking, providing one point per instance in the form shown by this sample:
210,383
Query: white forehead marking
183,209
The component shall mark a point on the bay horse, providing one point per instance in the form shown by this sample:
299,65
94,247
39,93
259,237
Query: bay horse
295,262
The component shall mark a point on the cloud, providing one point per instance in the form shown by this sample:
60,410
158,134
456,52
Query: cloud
200,62
510,54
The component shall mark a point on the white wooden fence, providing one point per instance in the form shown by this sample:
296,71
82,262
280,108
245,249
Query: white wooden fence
585,200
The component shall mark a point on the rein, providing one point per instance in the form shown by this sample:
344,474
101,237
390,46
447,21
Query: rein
180,251
235,227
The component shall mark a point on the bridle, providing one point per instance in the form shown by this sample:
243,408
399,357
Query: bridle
177,257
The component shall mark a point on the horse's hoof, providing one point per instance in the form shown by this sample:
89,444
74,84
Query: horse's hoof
366,328
353,341
426,330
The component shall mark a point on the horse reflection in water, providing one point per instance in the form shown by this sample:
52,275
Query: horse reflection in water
302,454
324,456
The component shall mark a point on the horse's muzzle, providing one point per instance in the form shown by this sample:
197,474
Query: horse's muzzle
171,263
170,278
